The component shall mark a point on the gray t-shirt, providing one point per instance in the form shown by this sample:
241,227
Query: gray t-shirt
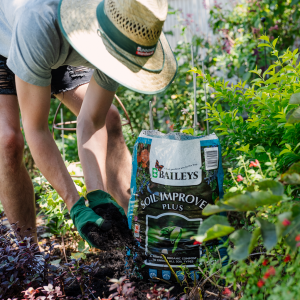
31,40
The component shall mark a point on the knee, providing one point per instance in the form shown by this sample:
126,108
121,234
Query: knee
11,148
113,121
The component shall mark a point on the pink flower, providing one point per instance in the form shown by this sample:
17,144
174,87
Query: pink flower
272,271
227,292
239,178
254,164
135,218
286,222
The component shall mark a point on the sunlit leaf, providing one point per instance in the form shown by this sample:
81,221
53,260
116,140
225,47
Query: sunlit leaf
212,228
295,99
293,116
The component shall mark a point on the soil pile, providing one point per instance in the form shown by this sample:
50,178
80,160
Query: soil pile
114,232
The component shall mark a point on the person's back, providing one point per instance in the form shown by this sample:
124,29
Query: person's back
33,43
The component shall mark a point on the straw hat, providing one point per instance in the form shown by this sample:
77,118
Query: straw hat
122,38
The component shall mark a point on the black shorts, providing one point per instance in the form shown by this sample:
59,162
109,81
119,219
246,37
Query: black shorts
65,78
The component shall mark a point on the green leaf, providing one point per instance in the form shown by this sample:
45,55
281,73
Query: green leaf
294,2
284,151
264,45
212,228
254,238
252,200
268,232
274,42
274,186
214,209
279,227
293,116
244,148
292,176
55,262
260,149
78,255
241,240
265,38
81,246
188,131
295,99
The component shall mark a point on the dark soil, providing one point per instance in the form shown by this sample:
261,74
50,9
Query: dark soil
114,232
116,239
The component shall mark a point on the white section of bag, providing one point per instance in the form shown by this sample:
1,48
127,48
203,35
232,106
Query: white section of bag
175,135
175,163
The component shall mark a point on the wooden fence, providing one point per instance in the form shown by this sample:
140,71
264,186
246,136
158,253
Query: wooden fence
195,13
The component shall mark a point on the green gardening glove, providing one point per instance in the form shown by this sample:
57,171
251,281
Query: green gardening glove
100,198
83,216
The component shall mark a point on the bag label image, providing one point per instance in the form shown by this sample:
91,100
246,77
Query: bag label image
169,234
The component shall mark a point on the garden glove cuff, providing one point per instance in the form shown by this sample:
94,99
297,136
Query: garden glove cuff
83,216
99,198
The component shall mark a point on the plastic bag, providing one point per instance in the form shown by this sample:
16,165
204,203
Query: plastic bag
174,177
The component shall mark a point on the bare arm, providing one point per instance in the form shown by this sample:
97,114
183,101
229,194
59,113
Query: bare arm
92,141
34,103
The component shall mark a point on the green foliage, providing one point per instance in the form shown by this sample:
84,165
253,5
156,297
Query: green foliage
237,50
255,121
52,207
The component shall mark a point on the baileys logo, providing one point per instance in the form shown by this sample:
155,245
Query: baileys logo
158,173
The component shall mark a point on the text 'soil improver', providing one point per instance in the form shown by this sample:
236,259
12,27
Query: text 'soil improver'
174,177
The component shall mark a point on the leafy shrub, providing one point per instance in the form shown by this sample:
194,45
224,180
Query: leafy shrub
236,50
21,263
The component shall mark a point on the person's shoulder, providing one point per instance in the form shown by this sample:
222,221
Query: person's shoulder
37,16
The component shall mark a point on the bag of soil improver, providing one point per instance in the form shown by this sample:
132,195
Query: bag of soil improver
174,177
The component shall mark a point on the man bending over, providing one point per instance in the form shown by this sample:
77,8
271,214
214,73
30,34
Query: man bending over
124,43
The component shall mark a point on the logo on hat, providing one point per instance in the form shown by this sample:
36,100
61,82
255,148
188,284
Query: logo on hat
144,52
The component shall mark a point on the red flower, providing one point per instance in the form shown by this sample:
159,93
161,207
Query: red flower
297,238
260,283
239,178
172,127
227,292
197,243
287,258
272,271
265,262
254,164
168,121
286,222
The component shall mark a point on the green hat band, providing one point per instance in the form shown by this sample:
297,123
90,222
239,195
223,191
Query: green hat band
113,33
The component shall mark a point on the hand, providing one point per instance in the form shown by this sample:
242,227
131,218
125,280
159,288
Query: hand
100,199
84,216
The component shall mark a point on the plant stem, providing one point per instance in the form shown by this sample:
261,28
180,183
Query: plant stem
177,279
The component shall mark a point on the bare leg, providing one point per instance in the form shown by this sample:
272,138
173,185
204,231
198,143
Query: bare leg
118,160
16,190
